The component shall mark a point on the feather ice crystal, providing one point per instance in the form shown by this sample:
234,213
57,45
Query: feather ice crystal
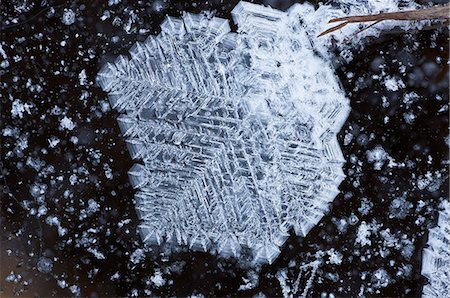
235,132
436,257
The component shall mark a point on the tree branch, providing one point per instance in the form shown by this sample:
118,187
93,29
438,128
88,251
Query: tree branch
433,13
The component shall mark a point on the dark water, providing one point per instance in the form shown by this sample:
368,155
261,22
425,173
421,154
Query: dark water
45,58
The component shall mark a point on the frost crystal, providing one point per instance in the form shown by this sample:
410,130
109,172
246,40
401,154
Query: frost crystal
436,257
236,131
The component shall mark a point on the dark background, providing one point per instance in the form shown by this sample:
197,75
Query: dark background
36,54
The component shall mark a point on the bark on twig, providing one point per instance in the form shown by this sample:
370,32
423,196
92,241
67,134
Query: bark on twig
433,13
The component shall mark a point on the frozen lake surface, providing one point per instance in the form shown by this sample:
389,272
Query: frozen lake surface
68,217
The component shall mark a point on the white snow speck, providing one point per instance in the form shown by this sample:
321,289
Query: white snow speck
157,279
380,279
335,257
363,234
19,108
3,53
409,117
83,77
393,84
67,123
53,142
137,256
96,253
377,156
68,17
44,265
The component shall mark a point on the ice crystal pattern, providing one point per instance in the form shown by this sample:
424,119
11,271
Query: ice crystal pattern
235,132
436,257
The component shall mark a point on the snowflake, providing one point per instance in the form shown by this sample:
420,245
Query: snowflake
236,132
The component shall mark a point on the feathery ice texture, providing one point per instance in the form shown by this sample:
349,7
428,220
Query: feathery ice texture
436,257
236,131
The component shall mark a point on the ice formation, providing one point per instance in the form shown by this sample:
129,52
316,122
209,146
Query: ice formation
236,131
436,257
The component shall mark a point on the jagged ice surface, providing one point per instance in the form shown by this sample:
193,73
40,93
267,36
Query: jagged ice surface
436,257
236,132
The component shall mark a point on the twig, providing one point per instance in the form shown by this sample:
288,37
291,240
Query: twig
371,25
348,39
433,13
